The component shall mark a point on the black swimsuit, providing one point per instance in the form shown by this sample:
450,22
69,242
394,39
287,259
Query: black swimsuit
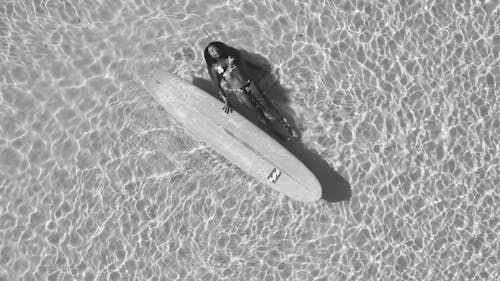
221,70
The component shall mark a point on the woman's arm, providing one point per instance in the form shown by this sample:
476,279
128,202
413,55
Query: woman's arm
216,80
235,54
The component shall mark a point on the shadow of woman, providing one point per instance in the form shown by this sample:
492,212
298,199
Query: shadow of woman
334,187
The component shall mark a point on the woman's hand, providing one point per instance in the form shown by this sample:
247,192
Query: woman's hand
230,60
227,107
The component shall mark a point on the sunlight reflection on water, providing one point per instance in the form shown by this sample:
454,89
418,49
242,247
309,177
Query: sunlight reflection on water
97,181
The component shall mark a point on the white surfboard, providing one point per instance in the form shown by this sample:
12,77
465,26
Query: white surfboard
233,136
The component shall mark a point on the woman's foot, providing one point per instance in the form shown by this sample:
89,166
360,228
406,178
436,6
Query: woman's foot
291,132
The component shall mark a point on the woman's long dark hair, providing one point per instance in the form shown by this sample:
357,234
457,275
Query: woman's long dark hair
224,52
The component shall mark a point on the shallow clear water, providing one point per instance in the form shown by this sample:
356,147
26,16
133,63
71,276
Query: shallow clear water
400,97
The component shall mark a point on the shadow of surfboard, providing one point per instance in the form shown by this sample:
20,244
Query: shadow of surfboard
334,187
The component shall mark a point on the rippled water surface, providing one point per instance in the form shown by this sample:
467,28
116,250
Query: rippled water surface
97,182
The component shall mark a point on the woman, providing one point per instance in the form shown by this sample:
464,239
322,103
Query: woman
224,65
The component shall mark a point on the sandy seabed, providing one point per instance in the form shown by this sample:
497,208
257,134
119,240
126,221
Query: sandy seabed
97,182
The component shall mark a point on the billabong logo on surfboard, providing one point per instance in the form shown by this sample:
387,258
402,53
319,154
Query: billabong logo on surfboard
274,175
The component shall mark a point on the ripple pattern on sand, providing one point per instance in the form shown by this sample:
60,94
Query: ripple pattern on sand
97,182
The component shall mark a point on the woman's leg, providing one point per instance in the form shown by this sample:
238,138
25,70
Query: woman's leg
261,101
252,96
266,107
248,101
